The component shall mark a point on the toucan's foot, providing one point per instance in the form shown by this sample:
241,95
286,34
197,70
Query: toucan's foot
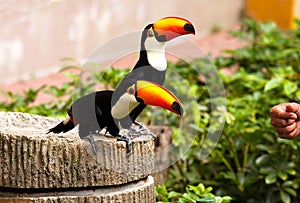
140,125
142,130
127,140
134,131
93,144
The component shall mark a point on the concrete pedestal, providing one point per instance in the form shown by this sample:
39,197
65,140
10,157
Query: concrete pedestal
36,167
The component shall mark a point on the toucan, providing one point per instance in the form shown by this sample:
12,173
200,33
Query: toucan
151,66
152,62
94,112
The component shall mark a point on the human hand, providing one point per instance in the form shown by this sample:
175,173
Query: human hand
285,118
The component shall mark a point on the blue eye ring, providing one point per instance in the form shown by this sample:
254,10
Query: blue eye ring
131,90
150,33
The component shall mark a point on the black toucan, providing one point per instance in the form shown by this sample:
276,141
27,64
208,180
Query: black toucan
94,112
152,62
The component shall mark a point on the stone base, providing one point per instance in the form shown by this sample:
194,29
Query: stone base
30,158
138,191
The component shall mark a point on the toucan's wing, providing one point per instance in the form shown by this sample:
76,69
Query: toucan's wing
91,112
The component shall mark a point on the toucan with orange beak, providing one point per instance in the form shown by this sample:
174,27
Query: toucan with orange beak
152,62
94,111
118,109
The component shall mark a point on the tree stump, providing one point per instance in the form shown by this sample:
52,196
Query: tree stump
35,167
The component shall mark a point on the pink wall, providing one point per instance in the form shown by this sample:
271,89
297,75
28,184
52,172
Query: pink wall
36,34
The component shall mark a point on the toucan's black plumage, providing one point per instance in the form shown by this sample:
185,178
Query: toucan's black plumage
63,127
94,112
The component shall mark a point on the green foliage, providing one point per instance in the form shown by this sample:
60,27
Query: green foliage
192,194
17,102
267,46
25,102
61,97
112,76
250,162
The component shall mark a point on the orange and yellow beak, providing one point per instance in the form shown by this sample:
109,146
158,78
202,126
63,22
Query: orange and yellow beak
155,95
172,27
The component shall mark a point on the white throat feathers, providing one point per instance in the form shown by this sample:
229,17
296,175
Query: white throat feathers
124,106
156,53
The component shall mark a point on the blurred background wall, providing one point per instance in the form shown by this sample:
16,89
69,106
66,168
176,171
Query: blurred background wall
36,34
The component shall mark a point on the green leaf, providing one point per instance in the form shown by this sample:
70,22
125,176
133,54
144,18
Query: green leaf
266,148
201,188
162,193
196,190
292,171
192,195
289,87
282,175
271,178
206,199
188,198
291,191
262,159
173,194
273,83
298,94
225,199
208,189
285,197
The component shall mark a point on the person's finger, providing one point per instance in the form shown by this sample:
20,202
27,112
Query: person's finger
290,135
297,127
278,122
279,111
286,136
286,129
293,107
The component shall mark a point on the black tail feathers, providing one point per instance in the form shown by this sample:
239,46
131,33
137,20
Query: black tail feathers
61,127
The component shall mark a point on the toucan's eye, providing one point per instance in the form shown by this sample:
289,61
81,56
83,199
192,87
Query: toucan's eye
150,33
131,90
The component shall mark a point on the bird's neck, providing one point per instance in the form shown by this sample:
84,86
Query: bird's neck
155,52
157,59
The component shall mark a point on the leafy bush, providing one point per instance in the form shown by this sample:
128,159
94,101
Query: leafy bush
62,96
192,194
25,102
250,162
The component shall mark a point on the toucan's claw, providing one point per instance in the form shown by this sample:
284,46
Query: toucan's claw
140,125
127,140
136,131
142,130
93,144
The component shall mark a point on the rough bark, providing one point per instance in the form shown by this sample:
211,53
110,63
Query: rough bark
31,159
138,191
